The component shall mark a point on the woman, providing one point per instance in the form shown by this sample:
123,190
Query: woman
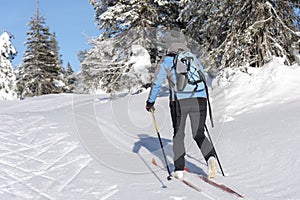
184,102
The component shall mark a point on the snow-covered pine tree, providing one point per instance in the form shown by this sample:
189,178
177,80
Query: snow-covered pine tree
7,77
114,17
99,66
244,33
55,65
125,24
41,70
71,79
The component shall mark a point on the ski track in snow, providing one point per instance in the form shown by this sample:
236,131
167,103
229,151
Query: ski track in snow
107,193
38,161
177,198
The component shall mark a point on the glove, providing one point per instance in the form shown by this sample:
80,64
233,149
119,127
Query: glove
150,106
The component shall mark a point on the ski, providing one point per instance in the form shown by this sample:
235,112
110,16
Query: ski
221,186
215,184
182,180
207,180
191,185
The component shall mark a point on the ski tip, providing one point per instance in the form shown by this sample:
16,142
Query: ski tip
186,169
154,161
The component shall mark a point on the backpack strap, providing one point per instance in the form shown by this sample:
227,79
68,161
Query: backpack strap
207,97
171,81
175,56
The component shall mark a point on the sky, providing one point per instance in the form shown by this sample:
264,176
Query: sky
71,20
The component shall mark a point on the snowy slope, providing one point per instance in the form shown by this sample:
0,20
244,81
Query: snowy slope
91,147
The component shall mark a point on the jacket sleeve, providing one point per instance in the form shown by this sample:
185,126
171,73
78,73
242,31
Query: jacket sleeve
160,75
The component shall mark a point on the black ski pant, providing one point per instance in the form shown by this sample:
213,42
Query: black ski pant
196,109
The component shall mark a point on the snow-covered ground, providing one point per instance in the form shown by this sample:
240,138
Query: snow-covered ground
91,147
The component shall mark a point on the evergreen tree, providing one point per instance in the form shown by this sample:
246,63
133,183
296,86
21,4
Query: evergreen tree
243,33
7,77
69,69
125,24
41,71
54,56
71,79
101,67
114,17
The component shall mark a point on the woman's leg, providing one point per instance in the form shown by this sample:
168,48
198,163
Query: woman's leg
198,116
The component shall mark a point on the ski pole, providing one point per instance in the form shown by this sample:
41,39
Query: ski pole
214,149
161,145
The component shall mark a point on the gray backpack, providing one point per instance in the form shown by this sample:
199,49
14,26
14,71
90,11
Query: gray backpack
189,76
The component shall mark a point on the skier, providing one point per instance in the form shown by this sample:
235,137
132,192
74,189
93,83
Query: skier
183,104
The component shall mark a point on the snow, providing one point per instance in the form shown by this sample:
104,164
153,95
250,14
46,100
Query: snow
7,78
90,147
161,2
239,92
59,83
5,43
141,62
